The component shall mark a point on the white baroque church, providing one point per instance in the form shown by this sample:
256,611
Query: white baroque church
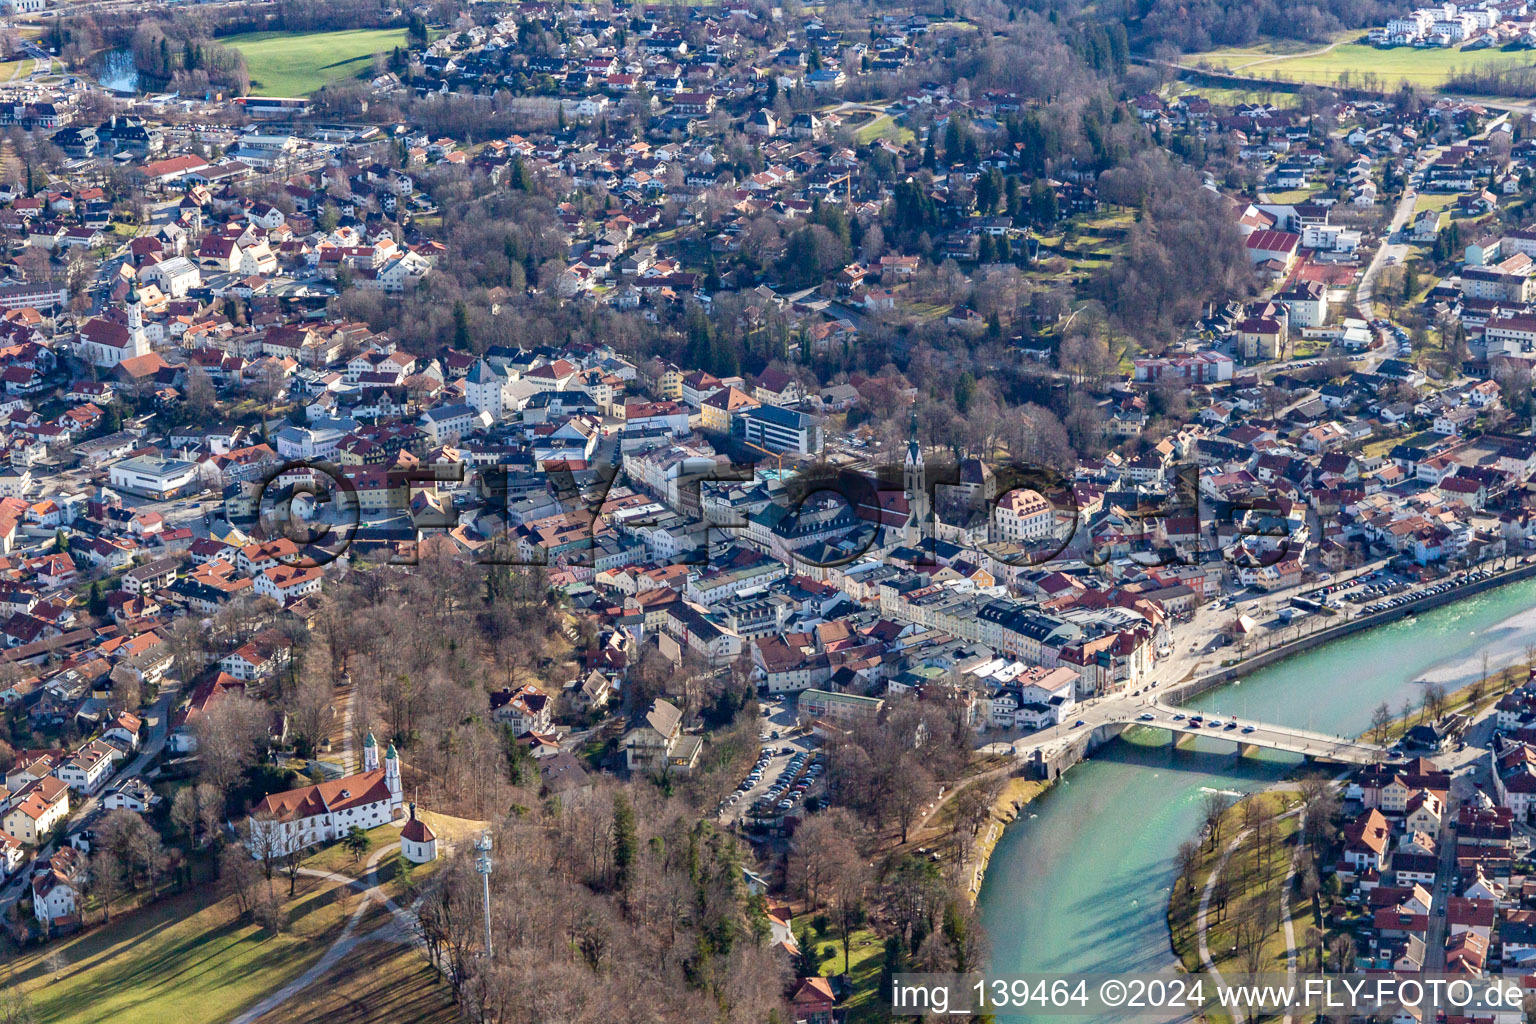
327,811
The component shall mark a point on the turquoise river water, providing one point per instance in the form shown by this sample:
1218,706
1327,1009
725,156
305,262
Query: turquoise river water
1080,882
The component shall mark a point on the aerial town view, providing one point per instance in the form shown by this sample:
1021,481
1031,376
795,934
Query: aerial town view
767,511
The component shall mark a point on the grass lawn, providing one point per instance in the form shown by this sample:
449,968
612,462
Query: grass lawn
13,70
1373,449
337,858
377,983
297,64
1277,48
925,310
1232,97
1434,201
867,952
1294,195
953,26
1423,67
883,127
182,959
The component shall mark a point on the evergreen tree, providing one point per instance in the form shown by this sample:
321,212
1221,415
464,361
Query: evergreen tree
894,962
954,141
460,326
416,31
624,842
1042,204
805,959
965,391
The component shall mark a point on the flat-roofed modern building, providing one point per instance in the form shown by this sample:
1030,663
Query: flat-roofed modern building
779,429
157,478
815,704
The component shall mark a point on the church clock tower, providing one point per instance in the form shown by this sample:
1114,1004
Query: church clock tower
915,483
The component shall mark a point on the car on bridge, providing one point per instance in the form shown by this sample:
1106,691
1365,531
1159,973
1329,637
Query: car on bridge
1145,717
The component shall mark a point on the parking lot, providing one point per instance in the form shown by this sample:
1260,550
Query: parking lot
1381,592
781,760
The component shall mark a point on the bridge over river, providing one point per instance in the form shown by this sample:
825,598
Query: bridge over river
1090,725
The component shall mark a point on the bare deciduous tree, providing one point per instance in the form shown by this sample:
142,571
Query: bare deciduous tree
231,732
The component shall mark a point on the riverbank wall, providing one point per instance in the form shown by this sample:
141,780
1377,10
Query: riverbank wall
1018,794
1047,766
1227,674
1041,772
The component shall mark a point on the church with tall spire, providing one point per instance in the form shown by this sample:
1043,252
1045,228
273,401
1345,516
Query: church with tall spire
138,341
914,480
106,341
327,811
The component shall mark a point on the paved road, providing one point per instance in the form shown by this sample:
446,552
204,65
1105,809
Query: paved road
1205,906
1401,216
1444,889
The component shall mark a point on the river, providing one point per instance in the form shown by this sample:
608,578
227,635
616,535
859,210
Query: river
1080,882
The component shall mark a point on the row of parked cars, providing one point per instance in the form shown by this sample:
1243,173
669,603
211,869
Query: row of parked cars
1402,599
1376,590
790,787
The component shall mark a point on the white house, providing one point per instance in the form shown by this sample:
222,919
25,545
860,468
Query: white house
89,769
15,482
258,659
1023,516
447,424
37,809
526,709
56,888
287,583
11,854
132,795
